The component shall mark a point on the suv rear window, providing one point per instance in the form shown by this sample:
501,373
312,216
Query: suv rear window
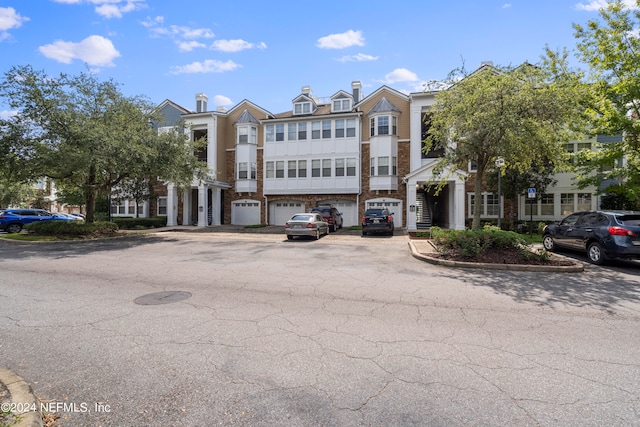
375,212
633,220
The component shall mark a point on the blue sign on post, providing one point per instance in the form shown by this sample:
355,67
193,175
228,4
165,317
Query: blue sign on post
531,193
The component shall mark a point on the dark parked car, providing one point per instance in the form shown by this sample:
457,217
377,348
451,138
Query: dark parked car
602,235
331,215
13,220
377,220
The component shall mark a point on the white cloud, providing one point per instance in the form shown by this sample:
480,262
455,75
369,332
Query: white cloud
9,19
506,5
110,8
188,46
221,101
206,66
342,40
358,58
400,75
235,45
94,50
596,5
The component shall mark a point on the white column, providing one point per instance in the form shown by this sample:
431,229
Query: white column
411,201
217,200
458,205
186,207
172,208
415,148
202,206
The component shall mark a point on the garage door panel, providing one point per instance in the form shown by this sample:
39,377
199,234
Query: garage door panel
394,206
245,212
281,211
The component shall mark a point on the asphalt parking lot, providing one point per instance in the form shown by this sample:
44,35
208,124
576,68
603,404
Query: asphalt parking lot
224,328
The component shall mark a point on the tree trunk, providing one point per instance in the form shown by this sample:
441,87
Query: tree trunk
477,206
90,195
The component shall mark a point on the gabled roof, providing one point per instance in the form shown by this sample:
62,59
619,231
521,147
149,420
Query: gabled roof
246,117
341,94
244,104
383,106
169,103
380,90
303,97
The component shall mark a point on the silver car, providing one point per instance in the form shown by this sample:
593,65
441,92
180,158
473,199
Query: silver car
306,224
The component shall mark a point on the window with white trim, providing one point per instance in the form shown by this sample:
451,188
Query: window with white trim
280,132
326,129
302,168
315,168
162,206
383,166
302,131
247,135
270,133
243,170
384,125
270,170
351,166
339,128
340,167
490,205
280,169
351,128
292,169
302,108
292,131
341,105
326,167
315,130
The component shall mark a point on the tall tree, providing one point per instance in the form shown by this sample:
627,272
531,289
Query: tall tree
85,134
609,47
513,113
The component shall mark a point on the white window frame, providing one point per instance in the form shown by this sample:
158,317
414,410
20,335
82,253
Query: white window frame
162,206
483,214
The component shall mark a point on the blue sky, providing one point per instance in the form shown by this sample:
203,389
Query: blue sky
266,51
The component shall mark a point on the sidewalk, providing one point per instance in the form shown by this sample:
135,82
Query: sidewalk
16,391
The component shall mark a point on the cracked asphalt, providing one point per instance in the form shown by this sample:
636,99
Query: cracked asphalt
344,331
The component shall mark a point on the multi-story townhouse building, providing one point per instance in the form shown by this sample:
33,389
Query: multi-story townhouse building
348,150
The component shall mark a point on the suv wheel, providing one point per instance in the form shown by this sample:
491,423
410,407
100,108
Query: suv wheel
595,254
14,228
548,243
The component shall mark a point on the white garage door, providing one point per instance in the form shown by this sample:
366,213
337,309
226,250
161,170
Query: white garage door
281,211
349,210
394,206
245,212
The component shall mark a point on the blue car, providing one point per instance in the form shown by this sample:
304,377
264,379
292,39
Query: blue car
13,220
602,235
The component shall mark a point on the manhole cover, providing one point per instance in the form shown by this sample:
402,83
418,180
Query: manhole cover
158,298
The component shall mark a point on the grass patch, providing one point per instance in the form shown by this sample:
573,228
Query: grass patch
355,227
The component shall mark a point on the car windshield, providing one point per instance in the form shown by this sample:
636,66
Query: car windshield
302,218
633,220
374,212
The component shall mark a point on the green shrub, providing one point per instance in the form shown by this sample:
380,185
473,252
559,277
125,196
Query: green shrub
72,228
473,243
139,223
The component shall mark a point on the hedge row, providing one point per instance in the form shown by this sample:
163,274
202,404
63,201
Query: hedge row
72,228
139,223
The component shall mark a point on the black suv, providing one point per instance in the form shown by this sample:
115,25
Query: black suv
601,234
331,215
377,219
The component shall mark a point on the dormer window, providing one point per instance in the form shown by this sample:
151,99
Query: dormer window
341,105
302,108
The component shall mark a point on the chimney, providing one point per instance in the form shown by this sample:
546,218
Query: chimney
306,90
201,102
356,91
221,109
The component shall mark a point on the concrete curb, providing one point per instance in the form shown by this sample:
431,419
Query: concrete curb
575,268
22,393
